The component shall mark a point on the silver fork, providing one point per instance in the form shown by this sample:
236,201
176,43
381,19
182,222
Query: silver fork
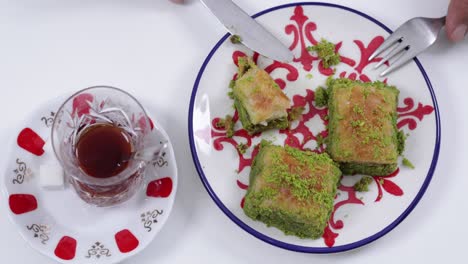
410,39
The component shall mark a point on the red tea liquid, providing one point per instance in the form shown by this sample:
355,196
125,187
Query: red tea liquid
103,150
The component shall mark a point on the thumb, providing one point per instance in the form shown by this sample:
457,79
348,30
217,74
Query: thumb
457,20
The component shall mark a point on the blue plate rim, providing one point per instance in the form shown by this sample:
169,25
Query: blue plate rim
288,246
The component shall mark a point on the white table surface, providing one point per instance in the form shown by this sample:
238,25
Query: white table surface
153,49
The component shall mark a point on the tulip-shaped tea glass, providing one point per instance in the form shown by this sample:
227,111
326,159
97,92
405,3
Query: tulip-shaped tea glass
98,136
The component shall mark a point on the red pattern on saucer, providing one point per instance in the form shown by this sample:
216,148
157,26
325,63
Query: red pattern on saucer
159,188
41,223
22,203
30,141
66,248
126,241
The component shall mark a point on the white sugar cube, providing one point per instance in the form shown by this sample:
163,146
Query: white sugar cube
51,176
48,149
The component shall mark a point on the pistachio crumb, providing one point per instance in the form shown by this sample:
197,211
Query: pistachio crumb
358,109
401,138
242,148
363,184
232,83
326,52
221,123
296,112
321,96
407,163
235,39
229,126
320,140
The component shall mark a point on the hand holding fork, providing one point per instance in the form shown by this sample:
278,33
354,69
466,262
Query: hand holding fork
417,34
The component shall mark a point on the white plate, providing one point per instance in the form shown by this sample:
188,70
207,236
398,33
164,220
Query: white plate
60,225
358,218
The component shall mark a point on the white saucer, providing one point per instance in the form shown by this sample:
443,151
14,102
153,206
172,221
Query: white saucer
60,225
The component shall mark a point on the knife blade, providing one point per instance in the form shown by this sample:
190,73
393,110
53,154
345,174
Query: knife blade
252,34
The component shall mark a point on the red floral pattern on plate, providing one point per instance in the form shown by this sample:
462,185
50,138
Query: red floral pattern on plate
302,37
329,236
408,115
292,134
388,185
300,135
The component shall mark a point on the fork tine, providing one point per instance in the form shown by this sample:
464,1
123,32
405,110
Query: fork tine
407,55
386,44
397,49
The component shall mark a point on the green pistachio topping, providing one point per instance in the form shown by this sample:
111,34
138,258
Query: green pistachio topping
242,148
321,97
326,52
363,184
296,112
407,163
235,39
229,126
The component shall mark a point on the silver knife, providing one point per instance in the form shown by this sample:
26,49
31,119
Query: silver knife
252,34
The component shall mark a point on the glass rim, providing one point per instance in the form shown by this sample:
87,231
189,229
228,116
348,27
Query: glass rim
87,179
